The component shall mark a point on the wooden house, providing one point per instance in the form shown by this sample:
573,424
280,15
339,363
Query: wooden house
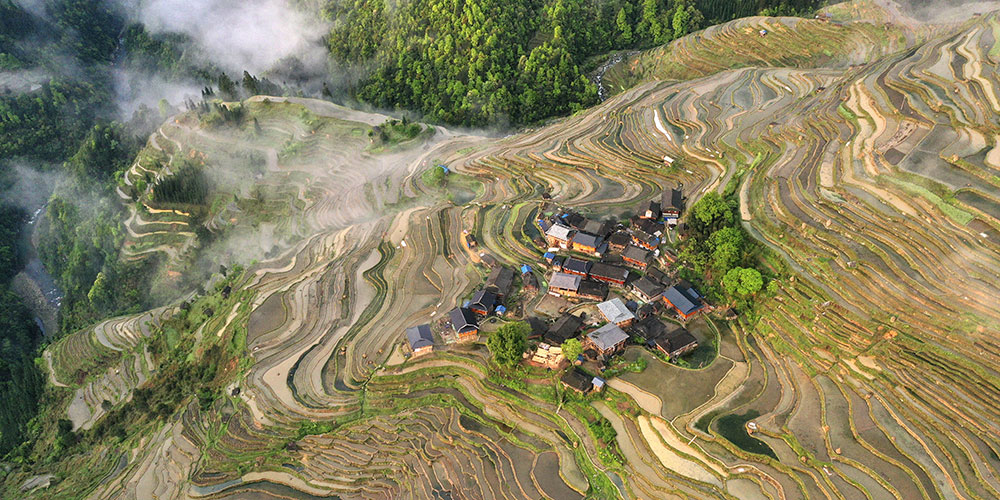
614,311
672,205
483,302
572,265
606,340
420,338
645,240
565,328
463,321
676,343
608,274
588,243
559,236
500,281
563,284
578,381
592,290
618,241
684,299
637,257
646,289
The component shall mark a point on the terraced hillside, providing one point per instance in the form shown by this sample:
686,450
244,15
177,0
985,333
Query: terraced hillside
870,371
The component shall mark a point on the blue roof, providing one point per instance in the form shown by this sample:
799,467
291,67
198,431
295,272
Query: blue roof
686,303
549,255
501,309
525,269
466,303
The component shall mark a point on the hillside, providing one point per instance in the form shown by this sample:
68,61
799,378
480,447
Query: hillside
860,156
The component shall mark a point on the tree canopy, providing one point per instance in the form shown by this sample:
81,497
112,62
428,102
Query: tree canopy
507,344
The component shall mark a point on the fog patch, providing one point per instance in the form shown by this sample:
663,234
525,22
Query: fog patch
252,35
31,186
136,89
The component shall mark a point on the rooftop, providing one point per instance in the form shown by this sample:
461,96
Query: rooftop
576,265
587,240
607,336
577,380
566,327
565,281
484,298
683,299
608,271
615,311
647,287
559,232
593,289
463,319
637,254
419,336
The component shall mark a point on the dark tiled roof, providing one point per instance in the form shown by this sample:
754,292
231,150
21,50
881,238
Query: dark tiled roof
647,287
607,271
565,328
620,238
657,275
485,300
578,380
501,278
419,336
463,320
578,266
597,227
637,254
651,328
673,200
538,326
676,340
593,289
565,281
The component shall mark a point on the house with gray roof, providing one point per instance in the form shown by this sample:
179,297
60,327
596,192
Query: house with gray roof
606,340
420,338
614,311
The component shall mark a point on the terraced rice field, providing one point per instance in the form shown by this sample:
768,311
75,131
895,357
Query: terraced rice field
871,172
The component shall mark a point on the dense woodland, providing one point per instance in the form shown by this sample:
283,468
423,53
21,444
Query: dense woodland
487,62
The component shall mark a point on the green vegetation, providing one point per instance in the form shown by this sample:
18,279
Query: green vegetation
572,348
483,62
720,252
188,186
508,343
394,131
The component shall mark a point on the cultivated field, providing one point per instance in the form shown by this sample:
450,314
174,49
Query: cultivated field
865,153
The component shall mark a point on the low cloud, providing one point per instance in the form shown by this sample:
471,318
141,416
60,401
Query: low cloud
252,35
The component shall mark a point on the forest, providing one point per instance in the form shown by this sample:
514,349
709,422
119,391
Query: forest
508,62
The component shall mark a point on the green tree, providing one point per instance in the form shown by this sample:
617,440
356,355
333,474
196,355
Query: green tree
681,21
507,344
712,210
624,28
742,282
572,348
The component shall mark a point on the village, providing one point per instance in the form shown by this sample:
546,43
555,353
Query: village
605,285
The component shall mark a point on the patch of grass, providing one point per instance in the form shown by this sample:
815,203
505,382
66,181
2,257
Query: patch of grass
954,213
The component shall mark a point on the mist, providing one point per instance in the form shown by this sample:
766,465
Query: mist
251,35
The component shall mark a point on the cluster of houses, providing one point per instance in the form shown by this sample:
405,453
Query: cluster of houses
589,259
625,257
464,321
